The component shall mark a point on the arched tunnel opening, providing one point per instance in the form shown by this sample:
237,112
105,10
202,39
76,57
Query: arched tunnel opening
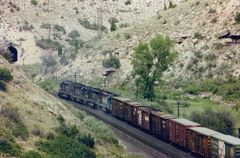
14,53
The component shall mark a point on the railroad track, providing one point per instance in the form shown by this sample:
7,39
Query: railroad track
159,145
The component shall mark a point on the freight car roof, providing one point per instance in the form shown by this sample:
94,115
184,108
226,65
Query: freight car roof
122,99
158,113
228,139
205,131
168,116
136,104
145,108
185,122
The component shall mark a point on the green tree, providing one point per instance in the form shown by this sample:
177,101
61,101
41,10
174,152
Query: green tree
149,62
113,26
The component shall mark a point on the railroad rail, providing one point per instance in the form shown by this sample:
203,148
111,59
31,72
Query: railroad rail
159,145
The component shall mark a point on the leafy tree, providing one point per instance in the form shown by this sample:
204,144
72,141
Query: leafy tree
113,26
150,61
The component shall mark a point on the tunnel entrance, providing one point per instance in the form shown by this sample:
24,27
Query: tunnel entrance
13,53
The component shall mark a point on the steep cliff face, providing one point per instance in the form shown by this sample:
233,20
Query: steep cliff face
194,25
22,21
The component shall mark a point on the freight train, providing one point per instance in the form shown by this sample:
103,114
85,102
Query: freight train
187,135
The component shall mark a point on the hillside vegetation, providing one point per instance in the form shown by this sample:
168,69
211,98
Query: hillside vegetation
35,124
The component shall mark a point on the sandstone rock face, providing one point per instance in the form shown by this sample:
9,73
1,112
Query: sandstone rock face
194,25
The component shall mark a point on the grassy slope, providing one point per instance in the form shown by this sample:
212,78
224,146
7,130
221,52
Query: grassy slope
39,110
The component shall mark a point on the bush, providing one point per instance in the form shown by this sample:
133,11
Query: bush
48,44
87,140
128,2
15,122
171,5
69,131
198,35
112,62
5,75
113,26
221,120
92,26
45,26
127,36
210,57
34,2
237,18
59,28
9,148
61,119
32,154
63,146
49,85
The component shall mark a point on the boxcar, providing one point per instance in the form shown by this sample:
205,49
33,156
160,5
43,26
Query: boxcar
199,140
164,125
131,114
143,117
156,124
119,107
225,146
178,130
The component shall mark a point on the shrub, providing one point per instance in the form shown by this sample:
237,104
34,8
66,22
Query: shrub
171,5
87,140
74,34
127,35
92,26
9,148
49,85
15,122
48,44
34,2
63,146
45,26
221,120
5,75
210,57
128,2
237,18
59,28
20,131
112,62
32,154
113,26
69,131
198,35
